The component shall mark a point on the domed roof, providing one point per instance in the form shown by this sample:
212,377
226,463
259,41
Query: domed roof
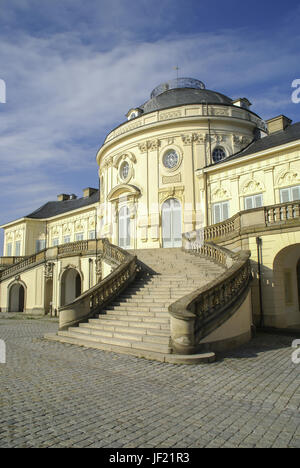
182,91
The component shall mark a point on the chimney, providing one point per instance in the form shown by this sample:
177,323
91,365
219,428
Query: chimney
63,197
278,124
88,192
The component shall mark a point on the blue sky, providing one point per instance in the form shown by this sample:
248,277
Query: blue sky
73,69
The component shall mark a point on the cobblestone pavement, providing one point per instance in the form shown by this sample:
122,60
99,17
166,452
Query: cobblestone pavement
58,395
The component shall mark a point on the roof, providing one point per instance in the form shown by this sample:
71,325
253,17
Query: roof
181,96
54,208
291,133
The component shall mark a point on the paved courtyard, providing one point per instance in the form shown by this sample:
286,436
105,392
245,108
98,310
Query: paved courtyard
57,395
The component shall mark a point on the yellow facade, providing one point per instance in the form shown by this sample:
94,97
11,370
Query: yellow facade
167,154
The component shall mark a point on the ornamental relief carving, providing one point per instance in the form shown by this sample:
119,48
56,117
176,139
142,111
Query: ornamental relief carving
122,157
224,111
252,186
287,178
79,226
241,140
171,179
220,194
172,192
48,271
150,145
189,138
170,115
219,138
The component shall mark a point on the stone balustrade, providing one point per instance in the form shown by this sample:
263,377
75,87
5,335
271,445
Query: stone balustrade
95,299
199,313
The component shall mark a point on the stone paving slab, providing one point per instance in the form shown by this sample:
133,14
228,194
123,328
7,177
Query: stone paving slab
59,395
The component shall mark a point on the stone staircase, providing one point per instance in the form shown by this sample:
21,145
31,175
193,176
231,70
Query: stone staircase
138,322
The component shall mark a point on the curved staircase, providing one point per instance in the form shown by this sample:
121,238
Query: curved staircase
137,322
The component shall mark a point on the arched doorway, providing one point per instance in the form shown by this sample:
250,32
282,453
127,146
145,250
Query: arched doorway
17,298
298,282
286,270
70,286
171,223
124,228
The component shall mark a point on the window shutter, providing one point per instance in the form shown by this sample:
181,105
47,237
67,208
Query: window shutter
225,207
296,193
284,195
217,213
258,201
248,203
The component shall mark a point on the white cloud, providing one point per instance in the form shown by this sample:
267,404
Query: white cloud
65,92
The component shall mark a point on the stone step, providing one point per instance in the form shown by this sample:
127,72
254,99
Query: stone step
119,328
122,335
203,358
157,313
120,322
136,318
157,347
156,306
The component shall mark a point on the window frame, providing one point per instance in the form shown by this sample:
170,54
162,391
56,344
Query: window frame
221,205
290,193
253,199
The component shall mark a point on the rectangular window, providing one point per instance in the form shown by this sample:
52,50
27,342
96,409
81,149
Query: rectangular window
18,249
92,235
9,249
67,239
255,201
290,194
55,241
79,236
220,212
40,245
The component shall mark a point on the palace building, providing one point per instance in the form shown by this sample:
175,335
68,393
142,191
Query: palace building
193,233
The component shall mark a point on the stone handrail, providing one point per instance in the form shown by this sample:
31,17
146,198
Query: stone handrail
95,299
243,221
282,212
197,314
73,247
22,265
224,228
6,262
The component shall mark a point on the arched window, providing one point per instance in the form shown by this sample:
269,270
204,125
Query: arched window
171,223
218,154
124,227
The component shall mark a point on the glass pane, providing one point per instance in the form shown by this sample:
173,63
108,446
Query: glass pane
248,203
258,201
170,159
296,193
225,210
9,250
18,249
217,213
284,195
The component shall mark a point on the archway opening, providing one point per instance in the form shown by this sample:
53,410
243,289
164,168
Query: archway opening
70,286
171,223
17,298
298,282
286,269
48,296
